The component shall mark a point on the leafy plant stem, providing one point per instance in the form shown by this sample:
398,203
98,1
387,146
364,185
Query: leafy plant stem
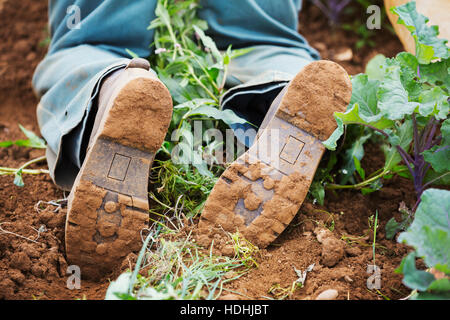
25,165
434,180
375,236
429,142
174,40
424,187
371,127
192,73
359,185
222,85
204,70
416,164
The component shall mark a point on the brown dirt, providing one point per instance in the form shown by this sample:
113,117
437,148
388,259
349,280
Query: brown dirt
332,42
37,269
341,257
28,269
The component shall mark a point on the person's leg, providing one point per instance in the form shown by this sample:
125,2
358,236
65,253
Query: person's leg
279,52
79,58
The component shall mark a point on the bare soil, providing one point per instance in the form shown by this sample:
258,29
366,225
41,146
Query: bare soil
35,268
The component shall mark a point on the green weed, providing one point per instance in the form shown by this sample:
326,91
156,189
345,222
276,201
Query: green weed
33,141
178,269
175,183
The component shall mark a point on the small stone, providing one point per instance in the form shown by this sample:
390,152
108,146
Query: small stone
31,56
344,55
320,46
330,294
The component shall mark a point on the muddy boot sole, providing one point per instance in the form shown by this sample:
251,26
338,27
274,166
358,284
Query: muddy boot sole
108,205
261,192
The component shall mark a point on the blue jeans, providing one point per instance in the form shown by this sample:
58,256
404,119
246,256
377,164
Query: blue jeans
68,79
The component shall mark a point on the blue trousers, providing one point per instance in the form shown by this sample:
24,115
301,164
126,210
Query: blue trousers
67,80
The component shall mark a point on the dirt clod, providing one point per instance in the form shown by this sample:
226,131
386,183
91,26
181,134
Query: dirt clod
332,251
21,261
322,234
16,276
353,251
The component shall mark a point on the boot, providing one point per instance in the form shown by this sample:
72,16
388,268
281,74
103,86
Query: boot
261,192
108,204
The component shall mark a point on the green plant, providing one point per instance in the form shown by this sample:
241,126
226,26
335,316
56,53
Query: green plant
177,270
176,183
429,234
33,141
195,72
281,293
375,227
46,39
393,227
365,36
244,250
404,100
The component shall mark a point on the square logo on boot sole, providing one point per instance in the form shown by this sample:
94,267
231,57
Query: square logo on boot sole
119,167
292,150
